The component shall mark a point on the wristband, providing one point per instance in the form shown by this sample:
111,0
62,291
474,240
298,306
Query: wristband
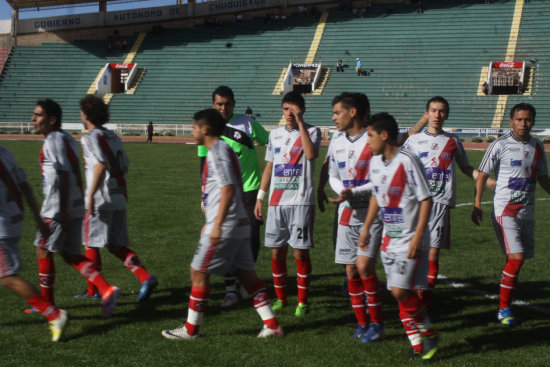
261,195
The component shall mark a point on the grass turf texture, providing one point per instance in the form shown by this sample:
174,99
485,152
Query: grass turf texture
164,221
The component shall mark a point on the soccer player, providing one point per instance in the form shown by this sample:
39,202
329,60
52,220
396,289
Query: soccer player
223,244
438,150
63,207
106,165
349,158
402,195
519,162
240,133
290,164
13,185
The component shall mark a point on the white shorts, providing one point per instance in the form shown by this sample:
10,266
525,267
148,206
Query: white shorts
228,255
405,273
347,238
60,241
515,235
10,260
290,224
105,228
439,226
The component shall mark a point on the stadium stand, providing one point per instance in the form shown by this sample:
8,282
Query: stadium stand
408,58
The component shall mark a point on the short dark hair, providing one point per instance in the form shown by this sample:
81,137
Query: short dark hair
294,98
95,109
51,109
359,101
523,107
438,99
383,121
211,118
225,92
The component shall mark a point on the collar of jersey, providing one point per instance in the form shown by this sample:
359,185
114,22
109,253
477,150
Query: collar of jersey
354,139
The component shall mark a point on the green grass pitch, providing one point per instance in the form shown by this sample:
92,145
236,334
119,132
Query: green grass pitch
164,220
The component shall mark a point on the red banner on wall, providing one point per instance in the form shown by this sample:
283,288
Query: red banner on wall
508,65
121,66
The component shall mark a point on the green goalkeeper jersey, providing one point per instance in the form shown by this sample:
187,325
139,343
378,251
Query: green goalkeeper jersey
240,133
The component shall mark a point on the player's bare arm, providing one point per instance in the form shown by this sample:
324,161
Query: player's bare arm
474,173
307,145
423,216
477,213
227,193
364,237
35,208
544,182
264,187
323,179
99,176
416,128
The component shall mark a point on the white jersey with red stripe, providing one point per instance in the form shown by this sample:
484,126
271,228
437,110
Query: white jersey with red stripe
292,175
60,153
438,152
11,200
101,145
349,159
221,169
517,165
399,186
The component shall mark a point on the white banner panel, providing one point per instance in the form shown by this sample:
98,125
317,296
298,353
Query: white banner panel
230,6
57,23
146,15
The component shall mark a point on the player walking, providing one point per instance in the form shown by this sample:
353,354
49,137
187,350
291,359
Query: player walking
290,164
106,196
519,162
63,207
438,150
13,186
224,243
402,195
240,133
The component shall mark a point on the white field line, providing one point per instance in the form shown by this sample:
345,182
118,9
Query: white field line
479,292
490,202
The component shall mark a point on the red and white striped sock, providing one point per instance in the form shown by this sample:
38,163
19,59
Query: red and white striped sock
260,298
132,262
94,256
278,267
303,274
88,270
47,309
357,298
408,310
198,300
46,276
371,285
508,281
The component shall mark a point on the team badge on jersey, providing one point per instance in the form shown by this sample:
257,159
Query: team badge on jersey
435,146
446,156
351,153
526,154
237,135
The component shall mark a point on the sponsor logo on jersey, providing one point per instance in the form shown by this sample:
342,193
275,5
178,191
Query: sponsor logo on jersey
394,191
522,197
522,184
435,146
514,149
515,163
237,135
375,170
351,153
422,154
277,150
383,179
287,141
362,164
288,170
296,150
446,156
341,164
355,183
526,154
270,235
435,162
438,174
422,142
